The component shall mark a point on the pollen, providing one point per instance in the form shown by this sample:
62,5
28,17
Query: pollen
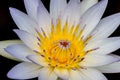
64,44
64,47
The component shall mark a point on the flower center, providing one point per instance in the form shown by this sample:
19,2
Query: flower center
64,44
64,47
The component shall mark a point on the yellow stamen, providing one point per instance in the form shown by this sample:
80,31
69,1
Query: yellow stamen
64,47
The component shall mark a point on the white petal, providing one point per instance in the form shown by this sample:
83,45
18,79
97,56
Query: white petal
62,73
106,26
71,13
4,44
86,4
75,75
24,71
92,16
47,74
93,74
23,21
38,59
29,39
111,68
91,60
31,7
56,8
44,19
105,46
19,51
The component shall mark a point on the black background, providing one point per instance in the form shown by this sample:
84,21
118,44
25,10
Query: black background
7,25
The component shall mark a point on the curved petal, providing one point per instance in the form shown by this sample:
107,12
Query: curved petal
56,8
106,27
111,68
103,46
47,74
71,13
4,44
38,59
93,74
24,71
19,51
92,16
44,19
75,75
91,60
23,21
62,73
29,39
86,4
31,7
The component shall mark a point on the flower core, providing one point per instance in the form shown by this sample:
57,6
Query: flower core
64,47
64,44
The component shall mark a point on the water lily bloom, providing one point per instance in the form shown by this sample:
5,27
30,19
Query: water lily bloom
71,42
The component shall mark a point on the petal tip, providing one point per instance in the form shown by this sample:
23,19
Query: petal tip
16,30
10,75
8,49
12,10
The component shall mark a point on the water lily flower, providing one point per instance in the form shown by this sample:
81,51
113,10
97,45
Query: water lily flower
71,42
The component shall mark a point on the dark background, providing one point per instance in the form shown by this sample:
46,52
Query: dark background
7,25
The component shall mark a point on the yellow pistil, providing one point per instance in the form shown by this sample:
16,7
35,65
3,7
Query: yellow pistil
64,46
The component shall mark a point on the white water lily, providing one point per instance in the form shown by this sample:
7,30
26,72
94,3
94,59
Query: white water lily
70,43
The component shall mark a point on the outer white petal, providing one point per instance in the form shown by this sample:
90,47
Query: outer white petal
92,16
56,8
105,46
23,21
93,74
106,27
71,13
31,7
24,71
111,68
75,75
47,74
62,73
44,19
19,51
86,4
91,60
4,44
38,59
83,76
29,39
